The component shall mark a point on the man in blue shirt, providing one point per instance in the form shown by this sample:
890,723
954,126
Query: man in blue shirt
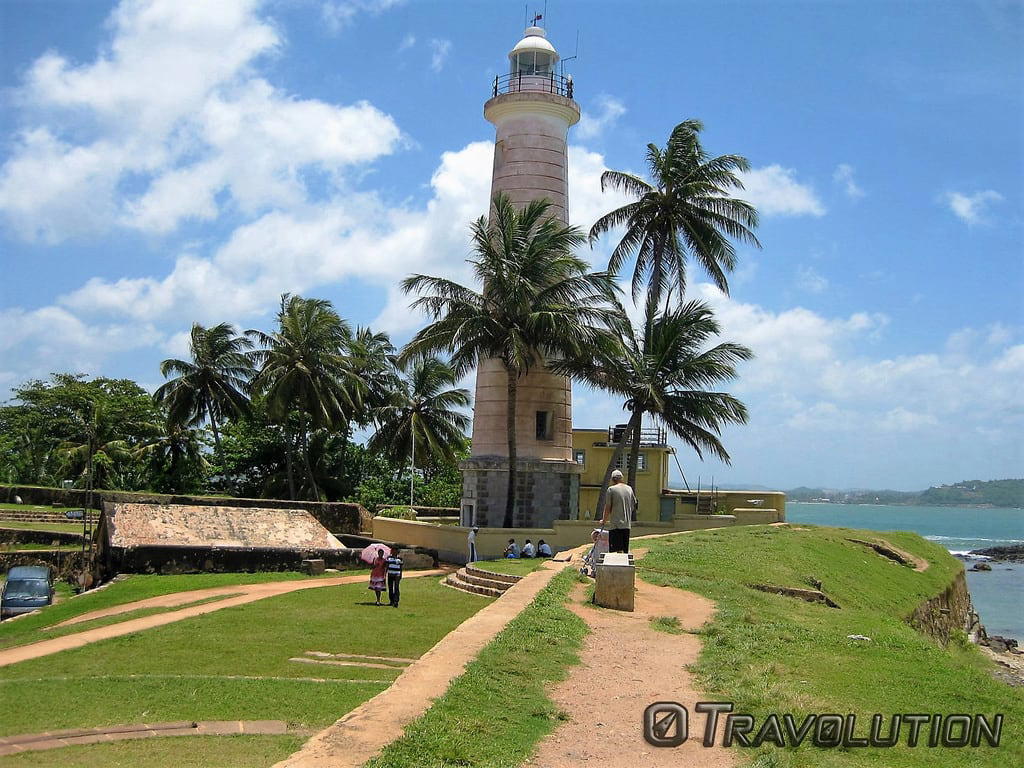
394,578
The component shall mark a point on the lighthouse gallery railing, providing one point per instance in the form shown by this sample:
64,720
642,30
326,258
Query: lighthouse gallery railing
542,83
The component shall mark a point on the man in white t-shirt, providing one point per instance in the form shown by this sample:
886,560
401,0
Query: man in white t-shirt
618,513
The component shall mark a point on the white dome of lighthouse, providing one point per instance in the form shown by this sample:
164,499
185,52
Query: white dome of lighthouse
533,55
535,40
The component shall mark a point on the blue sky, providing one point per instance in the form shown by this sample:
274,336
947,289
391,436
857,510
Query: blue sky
163,163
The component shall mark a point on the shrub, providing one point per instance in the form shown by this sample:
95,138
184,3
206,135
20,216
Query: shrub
399,513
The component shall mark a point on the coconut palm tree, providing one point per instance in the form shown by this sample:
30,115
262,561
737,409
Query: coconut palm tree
685,211
304,371
423,417
173,454
96,450
373,360
213,385
536,301
664,370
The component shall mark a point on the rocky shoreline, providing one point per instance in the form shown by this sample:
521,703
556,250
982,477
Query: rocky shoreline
1010,553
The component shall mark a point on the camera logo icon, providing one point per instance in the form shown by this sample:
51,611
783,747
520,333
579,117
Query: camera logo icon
666,724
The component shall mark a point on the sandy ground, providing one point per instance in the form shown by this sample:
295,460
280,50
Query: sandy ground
627,665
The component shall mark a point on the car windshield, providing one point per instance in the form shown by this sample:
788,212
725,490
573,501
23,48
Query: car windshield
23,590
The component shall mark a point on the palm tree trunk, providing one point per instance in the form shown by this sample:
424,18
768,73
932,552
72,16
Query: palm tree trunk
306,460
510,497
216,444
634,449
289,463
619,450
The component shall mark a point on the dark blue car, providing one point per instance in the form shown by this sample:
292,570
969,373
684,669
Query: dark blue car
28,588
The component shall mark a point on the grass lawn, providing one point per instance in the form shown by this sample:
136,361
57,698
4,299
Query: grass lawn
497,710
774,654
36,508
234,663
515,567
181,752
21,546
69,527
136,587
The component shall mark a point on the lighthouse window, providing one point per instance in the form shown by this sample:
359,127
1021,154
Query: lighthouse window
544,426
533,63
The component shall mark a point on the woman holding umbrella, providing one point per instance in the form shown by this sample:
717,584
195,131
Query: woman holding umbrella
378,569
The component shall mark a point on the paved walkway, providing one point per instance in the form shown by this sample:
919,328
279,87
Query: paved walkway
364,731
234,595
34,742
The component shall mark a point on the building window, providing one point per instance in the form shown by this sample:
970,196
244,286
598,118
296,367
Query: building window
544,426
580,456
641,462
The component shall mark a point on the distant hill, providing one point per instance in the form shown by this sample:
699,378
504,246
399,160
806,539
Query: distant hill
984,493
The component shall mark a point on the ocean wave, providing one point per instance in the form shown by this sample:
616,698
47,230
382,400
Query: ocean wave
966,554
974,538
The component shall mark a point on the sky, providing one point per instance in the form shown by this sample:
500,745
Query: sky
166,162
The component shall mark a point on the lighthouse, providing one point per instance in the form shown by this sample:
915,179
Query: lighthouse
532,108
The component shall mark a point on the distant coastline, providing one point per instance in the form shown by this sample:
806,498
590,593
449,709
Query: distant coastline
977,494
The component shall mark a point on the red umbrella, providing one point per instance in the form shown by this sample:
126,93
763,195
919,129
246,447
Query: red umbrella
369,554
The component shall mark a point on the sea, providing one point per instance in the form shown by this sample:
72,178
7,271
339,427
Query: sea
998,595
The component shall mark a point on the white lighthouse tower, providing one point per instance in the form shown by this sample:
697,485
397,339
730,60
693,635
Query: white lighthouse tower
532,108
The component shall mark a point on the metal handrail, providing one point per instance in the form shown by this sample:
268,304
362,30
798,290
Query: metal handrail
540,83
648,436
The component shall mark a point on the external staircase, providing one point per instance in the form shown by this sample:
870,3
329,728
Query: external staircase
478,581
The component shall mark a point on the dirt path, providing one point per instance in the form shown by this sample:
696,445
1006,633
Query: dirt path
234,595
627,665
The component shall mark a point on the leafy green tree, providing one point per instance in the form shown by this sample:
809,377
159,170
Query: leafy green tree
212,385
536,301
685,211
667,372
304,371
49,425
424,418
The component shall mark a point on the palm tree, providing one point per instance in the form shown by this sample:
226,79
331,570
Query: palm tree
685,211
663,370
305,372
212,386
96,450
537,301
373,360
423,414
175,451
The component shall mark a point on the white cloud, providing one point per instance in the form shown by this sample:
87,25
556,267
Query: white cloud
439,51
844,177
213,126
607,111
775,191
972,208
338,14
810,280
407,42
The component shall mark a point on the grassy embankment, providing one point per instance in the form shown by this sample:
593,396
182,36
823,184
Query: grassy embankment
232,664
774,654
498,709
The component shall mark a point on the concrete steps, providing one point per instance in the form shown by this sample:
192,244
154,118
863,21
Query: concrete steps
39,517
478,581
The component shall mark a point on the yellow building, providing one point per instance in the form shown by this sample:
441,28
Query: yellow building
593,449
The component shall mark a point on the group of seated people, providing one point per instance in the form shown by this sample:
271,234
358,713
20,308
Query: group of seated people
543,549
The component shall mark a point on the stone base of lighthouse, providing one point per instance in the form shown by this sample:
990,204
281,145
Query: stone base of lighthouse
545,491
